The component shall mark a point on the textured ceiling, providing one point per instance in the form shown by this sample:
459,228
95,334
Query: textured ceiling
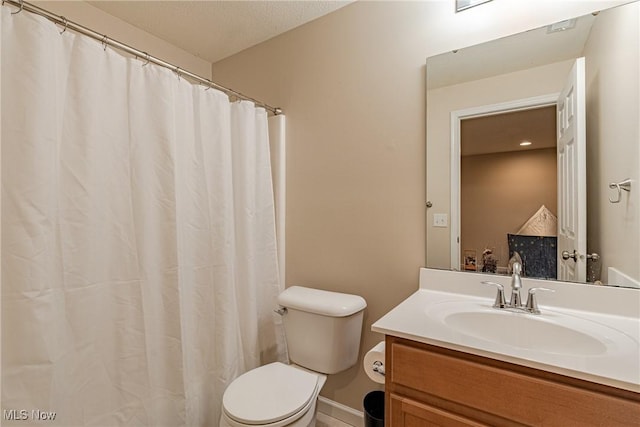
213,30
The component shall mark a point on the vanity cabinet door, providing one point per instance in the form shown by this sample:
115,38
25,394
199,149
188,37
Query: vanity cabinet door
409,413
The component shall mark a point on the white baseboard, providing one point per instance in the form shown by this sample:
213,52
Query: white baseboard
340,412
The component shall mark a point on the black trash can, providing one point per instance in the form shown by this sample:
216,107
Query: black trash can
374,409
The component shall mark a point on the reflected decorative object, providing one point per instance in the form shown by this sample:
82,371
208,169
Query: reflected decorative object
470,260
594,269
467,4
489,262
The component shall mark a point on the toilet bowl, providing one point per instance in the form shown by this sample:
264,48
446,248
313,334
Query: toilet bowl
274,395
323,337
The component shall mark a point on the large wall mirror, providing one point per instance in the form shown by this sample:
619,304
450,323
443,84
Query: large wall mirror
533,152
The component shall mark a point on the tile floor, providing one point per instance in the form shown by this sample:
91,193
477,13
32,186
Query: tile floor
323,420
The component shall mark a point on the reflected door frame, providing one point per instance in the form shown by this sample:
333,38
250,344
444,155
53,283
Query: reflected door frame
471,113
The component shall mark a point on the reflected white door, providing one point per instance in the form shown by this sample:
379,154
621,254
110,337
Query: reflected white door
572,206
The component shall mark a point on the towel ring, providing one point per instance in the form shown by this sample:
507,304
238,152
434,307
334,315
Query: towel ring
622,185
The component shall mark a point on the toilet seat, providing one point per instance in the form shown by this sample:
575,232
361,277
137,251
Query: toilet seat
270,394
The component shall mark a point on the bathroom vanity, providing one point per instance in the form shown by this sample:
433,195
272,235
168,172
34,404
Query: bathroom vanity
453,360
430,385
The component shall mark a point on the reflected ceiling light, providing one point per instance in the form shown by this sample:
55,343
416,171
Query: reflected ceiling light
525,143
467,4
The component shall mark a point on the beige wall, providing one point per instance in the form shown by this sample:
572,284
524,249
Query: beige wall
613,137
97,20
499,192
544,80
352,86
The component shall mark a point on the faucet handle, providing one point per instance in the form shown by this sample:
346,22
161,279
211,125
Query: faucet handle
500,301
532,302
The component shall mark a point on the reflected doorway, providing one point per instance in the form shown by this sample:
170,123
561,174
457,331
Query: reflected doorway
508,178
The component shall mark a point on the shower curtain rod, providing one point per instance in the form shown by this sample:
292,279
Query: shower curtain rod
61,20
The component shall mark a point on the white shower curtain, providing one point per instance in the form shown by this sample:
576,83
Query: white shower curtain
139,264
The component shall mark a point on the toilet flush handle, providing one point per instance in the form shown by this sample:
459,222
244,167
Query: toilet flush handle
281,311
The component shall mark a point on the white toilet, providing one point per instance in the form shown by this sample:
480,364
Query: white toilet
323,337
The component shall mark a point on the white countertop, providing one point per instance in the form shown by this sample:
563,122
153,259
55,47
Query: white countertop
613,309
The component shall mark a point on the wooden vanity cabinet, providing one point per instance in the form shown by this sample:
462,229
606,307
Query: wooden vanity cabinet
433,386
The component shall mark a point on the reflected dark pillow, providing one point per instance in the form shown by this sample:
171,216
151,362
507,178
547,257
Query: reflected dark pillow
538,253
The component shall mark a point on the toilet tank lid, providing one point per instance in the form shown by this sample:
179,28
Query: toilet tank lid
326,303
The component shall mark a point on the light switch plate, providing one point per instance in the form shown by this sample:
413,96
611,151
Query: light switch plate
440,220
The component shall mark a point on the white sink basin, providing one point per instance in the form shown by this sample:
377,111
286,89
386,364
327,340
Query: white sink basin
526,332
550,332
586,332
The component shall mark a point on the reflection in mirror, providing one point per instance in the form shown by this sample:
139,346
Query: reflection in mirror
492,197
503,182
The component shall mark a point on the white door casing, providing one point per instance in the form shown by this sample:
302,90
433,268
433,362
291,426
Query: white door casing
470,113
572,192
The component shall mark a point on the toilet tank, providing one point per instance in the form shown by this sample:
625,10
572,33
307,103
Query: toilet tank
322,328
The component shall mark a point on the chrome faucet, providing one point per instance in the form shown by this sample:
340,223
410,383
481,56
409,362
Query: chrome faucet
516,285
515,302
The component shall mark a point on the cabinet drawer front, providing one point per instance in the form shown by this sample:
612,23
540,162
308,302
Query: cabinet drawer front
409,413
518,397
